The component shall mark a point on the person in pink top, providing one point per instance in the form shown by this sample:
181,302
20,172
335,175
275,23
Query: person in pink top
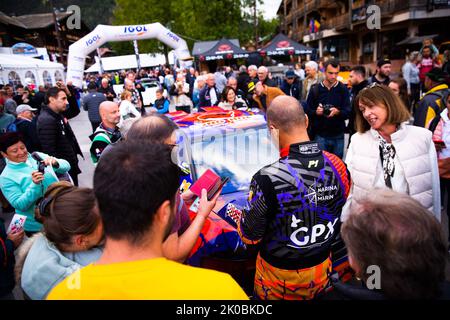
426,64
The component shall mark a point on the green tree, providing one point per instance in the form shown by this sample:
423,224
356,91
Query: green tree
193,20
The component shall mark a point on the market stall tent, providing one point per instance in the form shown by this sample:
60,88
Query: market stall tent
219,50
129,62
16,69
282,45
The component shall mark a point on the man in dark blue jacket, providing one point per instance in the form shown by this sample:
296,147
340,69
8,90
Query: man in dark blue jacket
328,106
291,85
209,95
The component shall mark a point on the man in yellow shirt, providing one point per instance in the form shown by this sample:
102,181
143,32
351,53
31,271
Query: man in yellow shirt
135,186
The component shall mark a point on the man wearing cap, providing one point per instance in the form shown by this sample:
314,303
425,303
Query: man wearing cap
431,103
291,85
383,72
26,125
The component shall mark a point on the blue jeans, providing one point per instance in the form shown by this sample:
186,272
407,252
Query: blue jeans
334,144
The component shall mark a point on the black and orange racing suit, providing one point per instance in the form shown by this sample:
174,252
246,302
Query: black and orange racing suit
293,213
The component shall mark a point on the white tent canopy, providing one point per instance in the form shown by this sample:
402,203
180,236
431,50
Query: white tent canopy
17,69
129,62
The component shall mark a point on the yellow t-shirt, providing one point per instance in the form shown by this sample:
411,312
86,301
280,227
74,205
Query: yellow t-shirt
154,279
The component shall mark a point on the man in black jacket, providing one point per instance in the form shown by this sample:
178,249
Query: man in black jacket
243,79
107,90
328,106
54,131
209,95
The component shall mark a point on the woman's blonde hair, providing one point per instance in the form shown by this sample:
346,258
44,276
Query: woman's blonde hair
377,94
125,94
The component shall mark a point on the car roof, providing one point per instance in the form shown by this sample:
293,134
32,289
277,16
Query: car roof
216,118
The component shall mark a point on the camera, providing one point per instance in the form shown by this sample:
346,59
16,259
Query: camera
40,161
327,109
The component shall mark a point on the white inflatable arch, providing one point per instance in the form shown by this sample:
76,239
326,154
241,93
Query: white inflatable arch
102,34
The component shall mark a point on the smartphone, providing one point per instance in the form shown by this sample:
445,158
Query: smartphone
216,188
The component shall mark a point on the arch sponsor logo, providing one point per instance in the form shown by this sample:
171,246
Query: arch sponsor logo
173,36
137,30
92,40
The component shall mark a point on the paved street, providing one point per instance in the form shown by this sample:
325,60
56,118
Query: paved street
82,128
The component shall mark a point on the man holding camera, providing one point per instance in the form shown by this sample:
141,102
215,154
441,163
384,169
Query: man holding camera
328,106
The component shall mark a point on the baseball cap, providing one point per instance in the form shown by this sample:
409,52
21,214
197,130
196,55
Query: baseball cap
437,75
382,62
24,107
290,74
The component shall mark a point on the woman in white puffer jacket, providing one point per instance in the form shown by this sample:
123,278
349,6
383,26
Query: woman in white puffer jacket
386,152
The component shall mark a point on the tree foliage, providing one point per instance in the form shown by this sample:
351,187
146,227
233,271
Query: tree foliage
193,20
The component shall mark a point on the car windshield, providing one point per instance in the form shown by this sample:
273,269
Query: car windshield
150,84
236,153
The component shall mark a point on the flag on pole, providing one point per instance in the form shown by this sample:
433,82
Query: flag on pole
100,61
314,26
136,52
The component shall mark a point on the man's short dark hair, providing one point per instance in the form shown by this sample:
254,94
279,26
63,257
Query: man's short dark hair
333,62
360,70
130,183
19,86
92,86
52,92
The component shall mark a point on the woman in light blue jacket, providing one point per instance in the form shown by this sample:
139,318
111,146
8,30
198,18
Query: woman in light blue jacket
21,182
70,240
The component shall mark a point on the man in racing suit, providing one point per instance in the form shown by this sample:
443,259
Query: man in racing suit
294,208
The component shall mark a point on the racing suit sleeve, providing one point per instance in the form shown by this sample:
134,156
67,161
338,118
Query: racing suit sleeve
253,221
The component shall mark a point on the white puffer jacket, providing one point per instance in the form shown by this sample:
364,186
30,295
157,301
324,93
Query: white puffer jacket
416,154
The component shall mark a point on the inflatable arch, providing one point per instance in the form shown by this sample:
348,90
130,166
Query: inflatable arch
102,34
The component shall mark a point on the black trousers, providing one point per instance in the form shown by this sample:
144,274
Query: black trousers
445,191
74,175
415,95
